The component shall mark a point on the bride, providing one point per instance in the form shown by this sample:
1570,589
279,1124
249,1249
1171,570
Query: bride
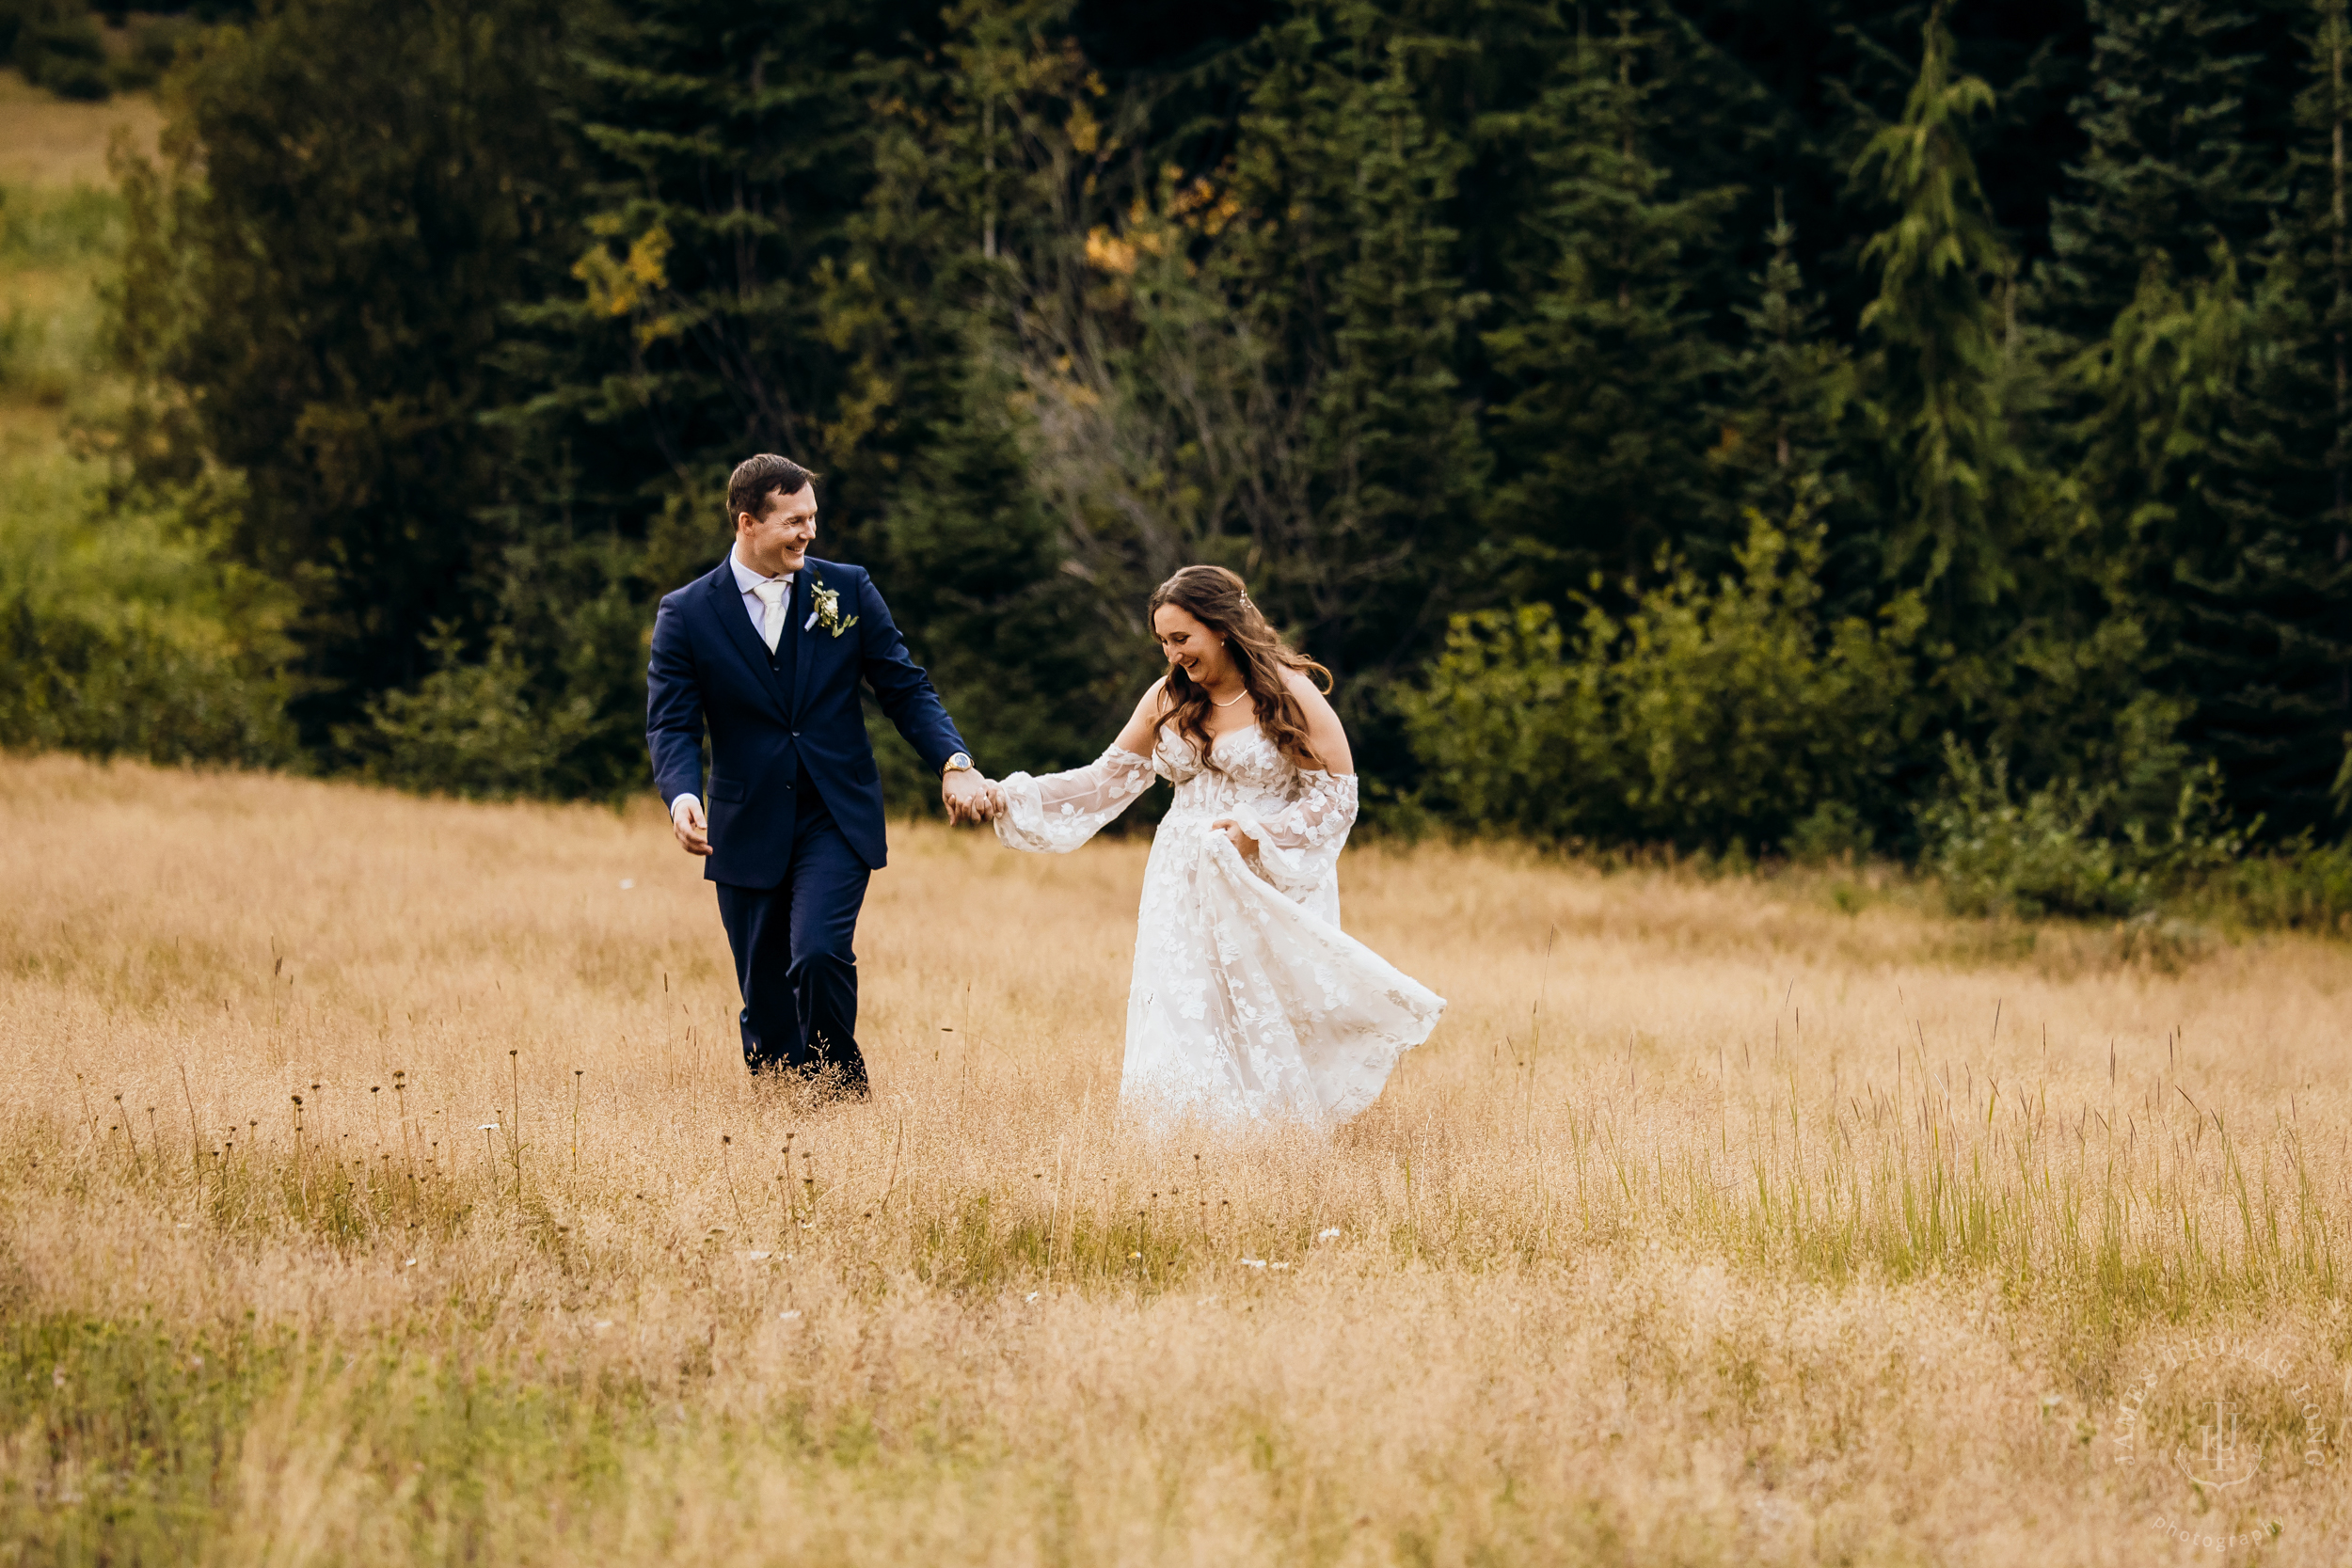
1248,1000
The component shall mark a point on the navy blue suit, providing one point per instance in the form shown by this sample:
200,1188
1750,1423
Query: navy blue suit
794,801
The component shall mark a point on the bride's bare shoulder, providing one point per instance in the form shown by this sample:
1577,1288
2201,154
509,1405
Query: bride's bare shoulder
1141,733
1325,732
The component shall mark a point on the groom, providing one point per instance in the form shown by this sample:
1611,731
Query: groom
769,650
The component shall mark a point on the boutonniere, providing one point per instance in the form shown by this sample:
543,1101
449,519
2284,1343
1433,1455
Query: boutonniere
827,611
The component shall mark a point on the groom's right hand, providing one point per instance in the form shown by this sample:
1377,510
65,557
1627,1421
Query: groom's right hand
686,821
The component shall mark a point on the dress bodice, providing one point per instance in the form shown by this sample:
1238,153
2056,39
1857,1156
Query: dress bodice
1246,771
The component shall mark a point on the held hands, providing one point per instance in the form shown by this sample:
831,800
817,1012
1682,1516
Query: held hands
968,797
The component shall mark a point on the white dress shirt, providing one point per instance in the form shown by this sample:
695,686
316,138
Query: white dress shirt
748,582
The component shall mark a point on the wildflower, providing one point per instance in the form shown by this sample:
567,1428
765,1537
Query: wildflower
1031,1296
1329,1235
627,882
787,1317
1253,1263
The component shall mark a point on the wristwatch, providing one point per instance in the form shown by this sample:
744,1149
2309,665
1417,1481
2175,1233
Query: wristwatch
960,763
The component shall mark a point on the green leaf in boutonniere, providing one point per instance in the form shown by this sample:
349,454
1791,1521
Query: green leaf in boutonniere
827,611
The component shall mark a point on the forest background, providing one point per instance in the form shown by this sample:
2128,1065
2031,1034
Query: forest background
1742,427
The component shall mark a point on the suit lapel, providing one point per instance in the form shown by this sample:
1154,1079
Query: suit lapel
805,647
726,603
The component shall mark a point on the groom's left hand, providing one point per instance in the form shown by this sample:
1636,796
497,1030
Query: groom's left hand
967,796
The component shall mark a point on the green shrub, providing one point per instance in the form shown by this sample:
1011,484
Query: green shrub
122,635
2298,886
1711,713
472,727
2065,848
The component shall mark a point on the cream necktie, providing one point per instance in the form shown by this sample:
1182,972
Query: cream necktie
771,596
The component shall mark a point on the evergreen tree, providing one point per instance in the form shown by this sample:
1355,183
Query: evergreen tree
1345,265
1937,371
2142,294
318,312
2265,647
1785,440
964,249
1610,376
2170,173
728,146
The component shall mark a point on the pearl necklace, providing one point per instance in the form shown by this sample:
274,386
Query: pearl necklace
1227,701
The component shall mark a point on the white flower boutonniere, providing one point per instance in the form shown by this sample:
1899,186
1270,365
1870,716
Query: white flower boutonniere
827,611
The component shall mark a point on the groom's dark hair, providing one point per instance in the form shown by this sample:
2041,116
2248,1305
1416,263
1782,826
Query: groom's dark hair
757,478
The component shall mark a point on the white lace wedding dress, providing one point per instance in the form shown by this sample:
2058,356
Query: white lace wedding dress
1248,1001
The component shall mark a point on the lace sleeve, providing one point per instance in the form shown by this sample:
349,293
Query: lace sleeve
1054,814
1297,846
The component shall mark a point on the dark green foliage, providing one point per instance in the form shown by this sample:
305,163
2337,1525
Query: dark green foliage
2264,641
357,195
1506,320
1787,434
1349,266
57,44
107,686
2170,173
1603,430
1935,373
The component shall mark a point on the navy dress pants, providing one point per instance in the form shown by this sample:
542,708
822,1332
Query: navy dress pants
793,954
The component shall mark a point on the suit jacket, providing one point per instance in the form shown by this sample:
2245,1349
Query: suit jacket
778,723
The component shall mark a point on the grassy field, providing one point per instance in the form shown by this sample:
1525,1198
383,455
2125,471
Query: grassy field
380,1184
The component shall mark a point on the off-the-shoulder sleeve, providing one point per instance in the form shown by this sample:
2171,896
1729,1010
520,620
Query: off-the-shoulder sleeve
1297,846
1054,814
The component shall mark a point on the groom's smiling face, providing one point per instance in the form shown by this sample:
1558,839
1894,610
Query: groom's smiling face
777,540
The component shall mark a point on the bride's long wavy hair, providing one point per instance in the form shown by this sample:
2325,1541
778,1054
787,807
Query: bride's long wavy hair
1220,601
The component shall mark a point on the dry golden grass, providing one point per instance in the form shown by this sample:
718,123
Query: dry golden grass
1731,1228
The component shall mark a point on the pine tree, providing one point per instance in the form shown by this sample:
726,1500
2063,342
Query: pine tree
2265,647
1937,372
1603,433
987,160
1344,264
2170,173
2144,297
318,312
728,147
1792,390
